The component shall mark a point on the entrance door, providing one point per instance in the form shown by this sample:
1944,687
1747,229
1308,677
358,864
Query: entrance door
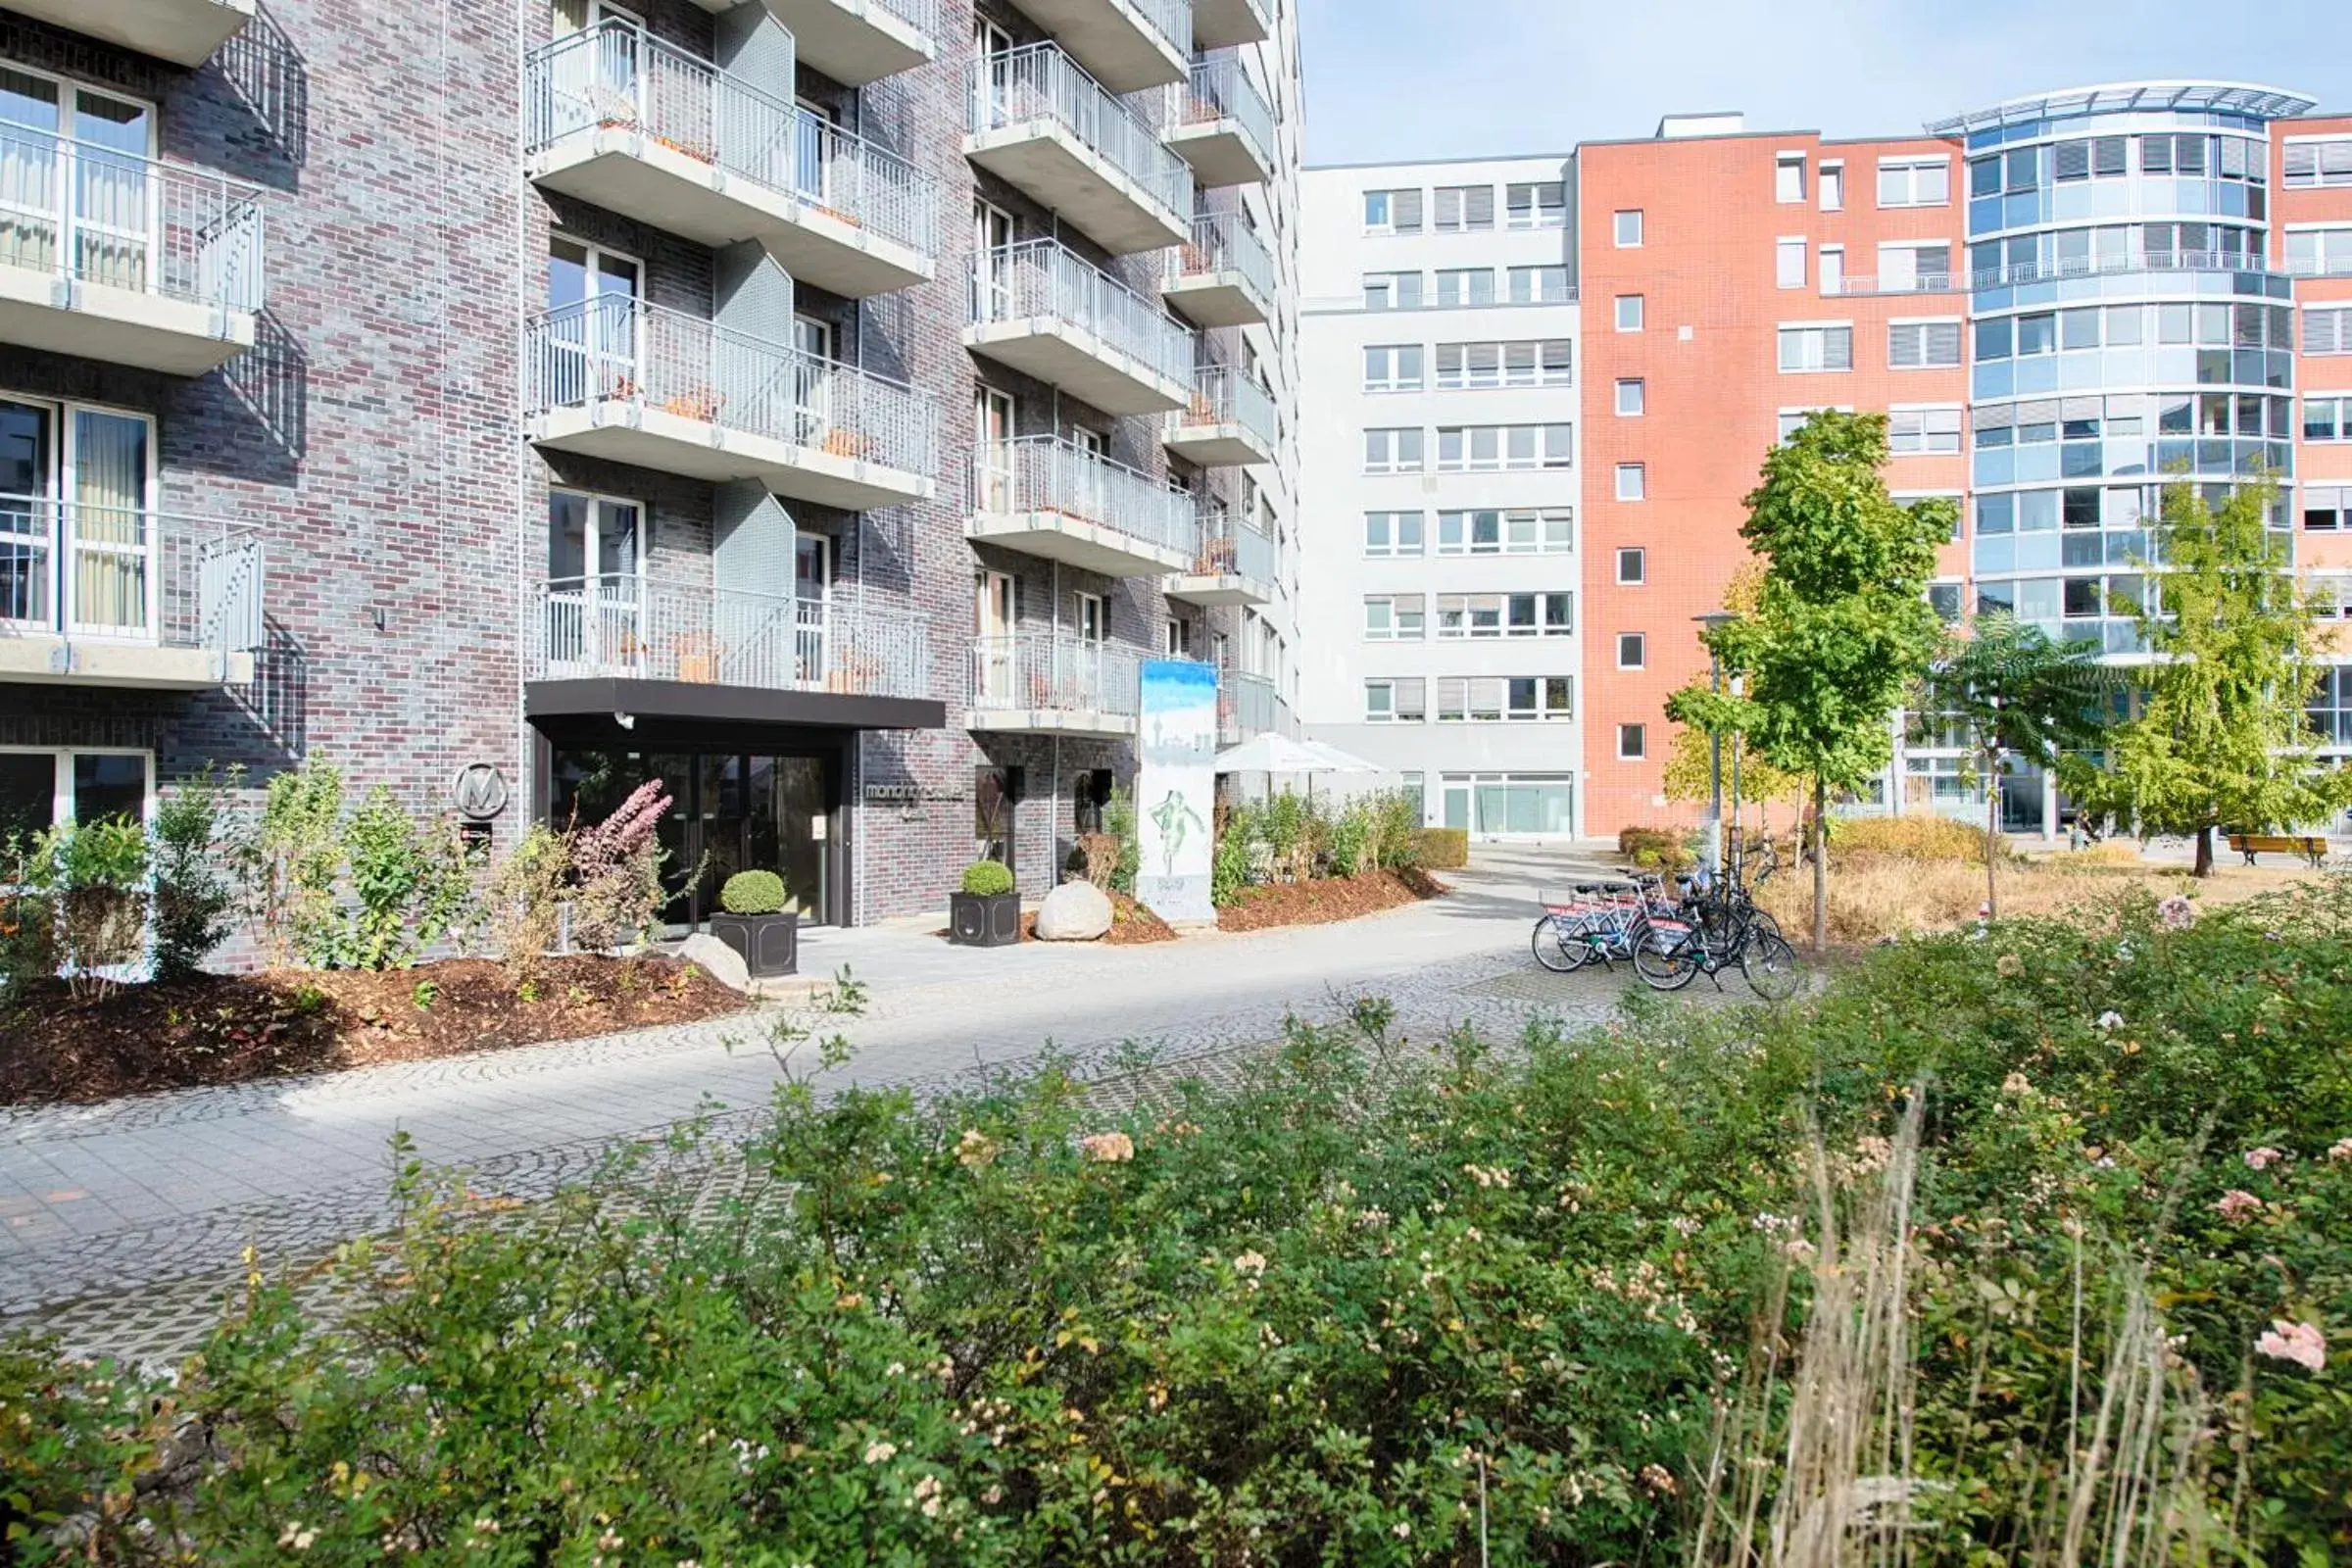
996,812
787,828
590,349
594,578
994,646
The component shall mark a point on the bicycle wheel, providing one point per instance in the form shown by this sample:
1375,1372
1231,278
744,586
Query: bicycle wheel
1558,947
1771,967
1665,959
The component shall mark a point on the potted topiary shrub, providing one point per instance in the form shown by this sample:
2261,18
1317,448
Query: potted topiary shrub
754,922
987,911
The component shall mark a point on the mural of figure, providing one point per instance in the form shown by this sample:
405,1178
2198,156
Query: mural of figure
1174,818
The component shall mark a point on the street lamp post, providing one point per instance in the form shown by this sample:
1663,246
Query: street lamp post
1710,621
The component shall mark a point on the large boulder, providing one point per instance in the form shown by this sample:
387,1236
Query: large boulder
1075,911
717,960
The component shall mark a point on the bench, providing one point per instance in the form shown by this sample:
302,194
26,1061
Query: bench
2310,846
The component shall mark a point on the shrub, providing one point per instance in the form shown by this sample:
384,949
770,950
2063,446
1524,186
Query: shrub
616,865
1352,836
1919,836
1443,849
27,930
525,897
411,886
91,878
301,849
1120,821
1232,869
988,879
193,848
1656,848
753,893
1394,840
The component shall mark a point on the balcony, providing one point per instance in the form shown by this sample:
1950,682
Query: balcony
1246,706
112,257
1045,126
182,31
620,379
1128,44
855,41
1045,683
1052,499
1227,24
95,595
1228,422
1223,128
1223,276
1047,313
1235,565
630,124
641,628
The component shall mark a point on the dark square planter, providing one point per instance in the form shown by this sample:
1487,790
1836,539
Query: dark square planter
991,922
769,945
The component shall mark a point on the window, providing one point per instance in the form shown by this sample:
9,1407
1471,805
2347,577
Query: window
2098,157
1909,265
2328,418
1393,368
1788,177
1833,270
1630,396
1495,806
1391,211
2317,251
1817,348
1633,649
1465,285
1091,620
1633,567
1395,617
1923,345
2326,331
1944,599
1789,263
42,789
1461,615
1392,450
1910,431
1536,698
1629,313
1628,229
1541,615
2327,510
1633,743
1396,702
1915,181
1542,205
1498,448
1633,481
1833,187
1176,639
1540,285
1546,362
1543,532
1392,535
1465,209
2317,163
1391,291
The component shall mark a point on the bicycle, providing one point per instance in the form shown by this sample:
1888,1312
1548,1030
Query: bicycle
1715,929
1604,920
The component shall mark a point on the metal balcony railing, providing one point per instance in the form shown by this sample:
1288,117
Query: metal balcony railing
1172,20
1039,82
920,14
1043,473
75,209
80,569
641,628
2100,265
1033,671
615,348
1222,243
1044,278
1224,395
615,76
1220,89
1229,548
1246,706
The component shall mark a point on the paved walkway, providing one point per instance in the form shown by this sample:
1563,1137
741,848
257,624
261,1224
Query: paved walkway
115,1201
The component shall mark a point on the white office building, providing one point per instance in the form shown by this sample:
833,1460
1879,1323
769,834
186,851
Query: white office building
1439,594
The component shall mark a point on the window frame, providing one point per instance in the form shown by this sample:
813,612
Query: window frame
1639,472
61,798
1639,734
1815,331
1639,556
1640,311
1785,191
1910,166
1639,387
1618,228
1638,643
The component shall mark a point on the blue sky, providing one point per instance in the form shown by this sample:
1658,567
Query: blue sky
1390,80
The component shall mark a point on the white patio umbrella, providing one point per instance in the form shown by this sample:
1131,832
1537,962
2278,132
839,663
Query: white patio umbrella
1279,754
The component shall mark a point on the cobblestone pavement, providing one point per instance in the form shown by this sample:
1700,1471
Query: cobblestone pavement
121,1224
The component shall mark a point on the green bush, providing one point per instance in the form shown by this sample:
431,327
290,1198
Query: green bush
194,849
1443,849
1656,848
1359,1306
755,893
411,886
81,903
1352,848
988,879
1120,823
1232,869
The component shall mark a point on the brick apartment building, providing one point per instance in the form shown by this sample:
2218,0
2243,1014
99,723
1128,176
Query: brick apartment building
820,404
2056,301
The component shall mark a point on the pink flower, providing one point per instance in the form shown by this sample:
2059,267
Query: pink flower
2300,1342
2263,1158
2177,913
1108,1148
2238,1204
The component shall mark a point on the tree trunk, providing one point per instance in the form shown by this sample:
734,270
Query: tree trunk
1992,834
2204,851
1821,864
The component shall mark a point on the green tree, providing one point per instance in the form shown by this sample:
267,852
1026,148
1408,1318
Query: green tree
1841,627
2219,734
2009,692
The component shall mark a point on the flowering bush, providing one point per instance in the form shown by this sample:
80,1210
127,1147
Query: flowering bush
1346,1311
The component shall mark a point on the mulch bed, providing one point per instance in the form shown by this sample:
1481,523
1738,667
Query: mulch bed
1133,925
1345,898
227,1029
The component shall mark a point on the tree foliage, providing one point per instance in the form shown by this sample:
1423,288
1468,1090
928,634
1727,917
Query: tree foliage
2220,736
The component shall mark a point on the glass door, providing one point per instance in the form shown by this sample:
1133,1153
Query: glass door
113,204
992,263
992,416
996,812
28,518
813,158
591,348
790,829
594,584
994,639
993,86
812,602
812,388
110,586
